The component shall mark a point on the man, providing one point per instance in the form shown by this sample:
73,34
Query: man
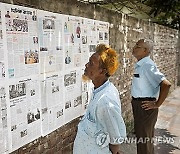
34,17
102,128
7,15
68,58
149,90
78,31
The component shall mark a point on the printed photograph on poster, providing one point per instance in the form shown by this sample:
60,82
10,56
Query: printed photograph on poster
31,56
3,108
78,30
84,39
34,16
48,24
50,62
68,104
72,38
70,79
7,15
84,86
78,101
1,34
43,49
11,72
65,27
101,37
2,96
23,133
17,25
59,48
17,90
106,36
3,121
67,57
68,27
2,70
32,92
33,116
35,40
92,48
85,100
55,88
60,113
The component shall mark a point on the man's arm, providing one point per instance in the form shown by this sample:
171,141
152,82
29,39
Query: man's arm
164,90
115,148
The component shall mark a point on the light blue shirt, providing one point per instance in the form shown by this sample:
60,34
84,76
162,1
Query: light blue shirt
147,79
102,123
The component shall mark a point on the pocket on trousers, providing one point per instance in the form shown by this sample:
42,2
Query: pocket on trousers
151,111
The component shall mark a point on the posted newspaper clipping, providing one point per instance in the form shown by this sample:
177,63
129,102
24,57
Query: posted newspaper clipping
43,57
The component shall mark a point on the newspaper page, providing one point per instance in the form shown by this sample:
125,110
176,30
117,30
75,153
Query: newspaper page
86,94
40,72
3,119
52,102
73,94
22,41
51,41
2,62
103,32
72,42
92,35
4,140
25,108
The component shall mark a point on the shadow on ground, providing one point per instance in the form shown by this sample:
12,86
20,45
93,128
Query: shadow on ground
165,142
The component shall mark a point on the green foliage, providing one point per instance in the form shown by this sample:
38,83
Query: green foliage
165,12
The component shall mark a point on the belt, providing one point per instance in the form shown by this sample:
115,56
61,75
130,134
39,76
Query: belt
144,98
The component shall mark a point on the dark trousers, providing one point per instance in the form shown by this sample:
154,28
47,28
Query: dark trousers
144,122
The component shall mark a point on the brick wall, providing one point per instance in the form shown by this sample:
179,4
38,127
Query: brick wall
124,32
178,61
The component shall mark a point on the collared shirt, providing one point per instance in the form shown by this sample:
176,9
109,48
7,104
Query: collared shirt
102,123
147,79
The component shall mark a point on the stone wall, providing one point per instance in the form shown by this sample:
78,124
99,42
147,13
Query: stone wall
124,32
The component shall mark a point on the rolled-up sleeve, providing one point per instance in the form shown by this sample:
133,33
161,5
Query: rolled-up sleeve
154,76
109,116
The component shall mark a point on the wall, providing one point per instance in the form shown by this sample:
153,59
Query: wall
124,33
178,60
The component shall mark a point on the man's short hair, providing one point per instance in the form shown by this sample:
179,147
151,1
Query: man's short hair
109,58
150,44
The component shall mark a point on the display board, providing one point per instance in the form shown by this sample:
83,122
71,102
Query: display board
43,56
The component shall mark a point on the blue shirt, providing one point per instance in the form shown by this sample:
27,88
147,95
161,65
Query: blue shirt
147,79
102,123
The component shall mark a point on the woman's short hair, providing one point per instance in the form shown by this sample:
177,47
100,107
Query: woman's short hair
109,58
